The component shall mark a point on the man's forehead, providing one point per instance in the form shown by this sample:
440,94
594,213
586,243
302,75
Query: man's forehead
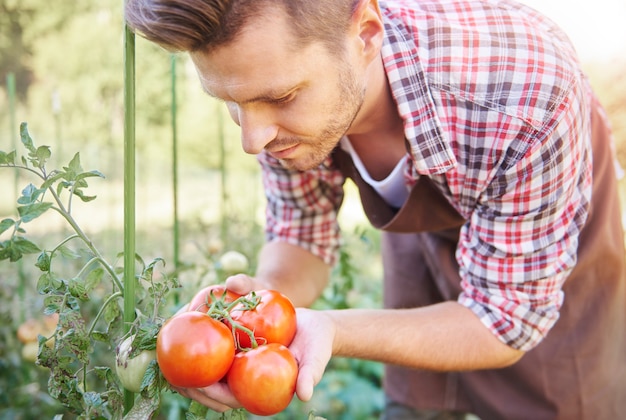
244,93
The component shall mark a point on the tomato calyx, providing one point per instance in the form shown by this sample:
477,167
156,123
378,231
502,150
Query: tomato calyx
220,307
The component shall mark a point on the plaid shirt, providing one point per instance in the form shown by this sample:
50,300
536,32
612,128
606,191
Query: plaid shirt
495,110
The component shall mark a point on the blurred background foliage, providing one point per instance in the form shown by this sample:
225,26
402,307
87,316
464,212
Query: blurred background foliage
67,61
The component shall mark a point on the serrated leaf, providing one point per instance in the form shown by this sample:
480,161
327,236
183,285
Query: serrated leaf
68,253
149,382
93,278
74,166
25,246
100,336
53,303
112,312
52,179
27,141
43,283
30,194
43,154
7,158
6,224
7,251
90,174
83,197
43,261
144,408
30,212
93,399
197,409
77,289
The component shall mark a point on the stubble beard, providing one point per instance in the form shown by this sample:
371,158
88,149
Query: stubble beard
344,112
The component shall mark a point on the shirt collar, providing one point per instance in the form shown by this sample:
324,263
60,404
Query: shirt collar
429,146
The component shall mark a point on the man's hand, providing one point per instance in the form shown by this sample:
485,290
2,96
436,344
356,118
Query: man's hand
312,346
217,396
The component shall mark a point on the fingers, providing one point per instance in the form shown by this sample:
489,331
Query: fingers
312,348
217,397
305,383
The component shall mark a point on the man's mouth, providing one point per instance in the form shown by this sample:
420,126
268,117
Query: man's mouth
284,153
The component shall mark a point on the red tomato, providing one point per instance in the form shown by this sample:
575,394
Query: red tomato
193,350
200,300
272,321
264,379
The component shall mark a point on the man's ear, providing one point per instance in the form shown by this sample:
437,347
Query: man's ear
368,28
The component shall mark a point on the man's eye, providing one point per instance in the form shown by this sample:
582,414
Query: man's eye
284,99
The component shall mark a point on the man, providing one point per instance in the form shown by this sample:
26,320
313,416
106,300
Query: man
470,131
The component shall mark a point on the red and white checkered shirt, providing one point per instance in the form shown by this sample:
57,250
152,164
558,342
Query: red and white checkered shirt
495,110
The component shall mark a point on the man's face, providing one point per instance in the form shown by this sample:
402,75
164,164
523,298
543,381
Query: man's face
294,103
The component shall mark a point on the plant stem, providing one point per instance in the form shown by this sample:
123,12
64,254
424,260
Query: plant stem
68,217
102,308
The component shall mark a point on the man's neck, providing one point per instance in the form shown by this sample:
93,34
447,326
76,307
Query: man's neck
378,133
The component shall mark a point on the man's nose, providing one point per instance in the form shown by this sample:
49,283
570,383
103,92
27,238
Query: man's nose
257,129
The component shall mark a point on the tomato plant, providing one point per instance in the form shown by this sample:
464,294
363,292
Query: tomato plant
272,320
201,300
194,350
264,379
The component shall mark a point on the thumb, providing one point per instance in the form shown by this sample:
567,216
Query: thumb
240,283
306,383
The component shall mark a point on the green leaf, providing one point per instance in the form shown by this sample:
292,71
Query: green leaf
43,154
73,167
7,251
68,253
93,278
112,312
90,174
30,194
43,261
25,246
7,158
52,303
6,224
198,410
27,141
51,179
83,197
32,211
44,283
77,289
101,336
144,408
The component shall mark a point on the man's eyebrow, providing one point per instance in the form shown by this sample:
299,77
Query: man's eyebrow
271,95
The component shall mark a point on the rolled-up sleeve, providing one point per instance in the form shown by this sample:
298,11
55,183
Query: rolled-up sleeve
302,207
521,241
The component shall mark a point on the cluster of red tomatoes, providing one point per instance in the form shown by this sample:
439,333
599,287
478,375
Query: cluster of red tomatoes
238,339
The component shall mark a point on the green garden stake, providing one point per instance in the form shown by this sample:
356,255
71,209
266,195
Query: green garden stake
174,111
129,189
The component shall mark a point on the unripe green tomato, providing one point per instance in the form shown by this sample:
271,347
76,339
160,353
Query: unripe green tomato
30,351
131,371
234,262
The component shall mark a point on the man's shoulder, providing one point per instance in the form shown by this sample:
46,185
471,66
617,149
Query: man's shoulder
500,55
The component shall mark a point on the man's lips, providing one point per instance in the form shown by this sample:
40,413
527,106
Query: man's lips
283,153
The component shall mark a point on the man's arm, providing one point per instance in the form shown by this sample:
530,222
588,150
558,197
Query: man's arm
441,337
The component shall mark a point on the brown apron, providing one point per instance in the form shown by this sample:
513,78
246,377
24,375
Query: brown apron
577,372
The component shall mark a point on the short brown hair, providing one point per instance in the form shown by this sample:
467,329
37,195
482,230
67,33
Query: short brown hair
193,25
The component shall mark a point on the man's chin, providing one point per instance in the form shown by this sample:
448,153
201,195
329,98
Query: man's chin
299,165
